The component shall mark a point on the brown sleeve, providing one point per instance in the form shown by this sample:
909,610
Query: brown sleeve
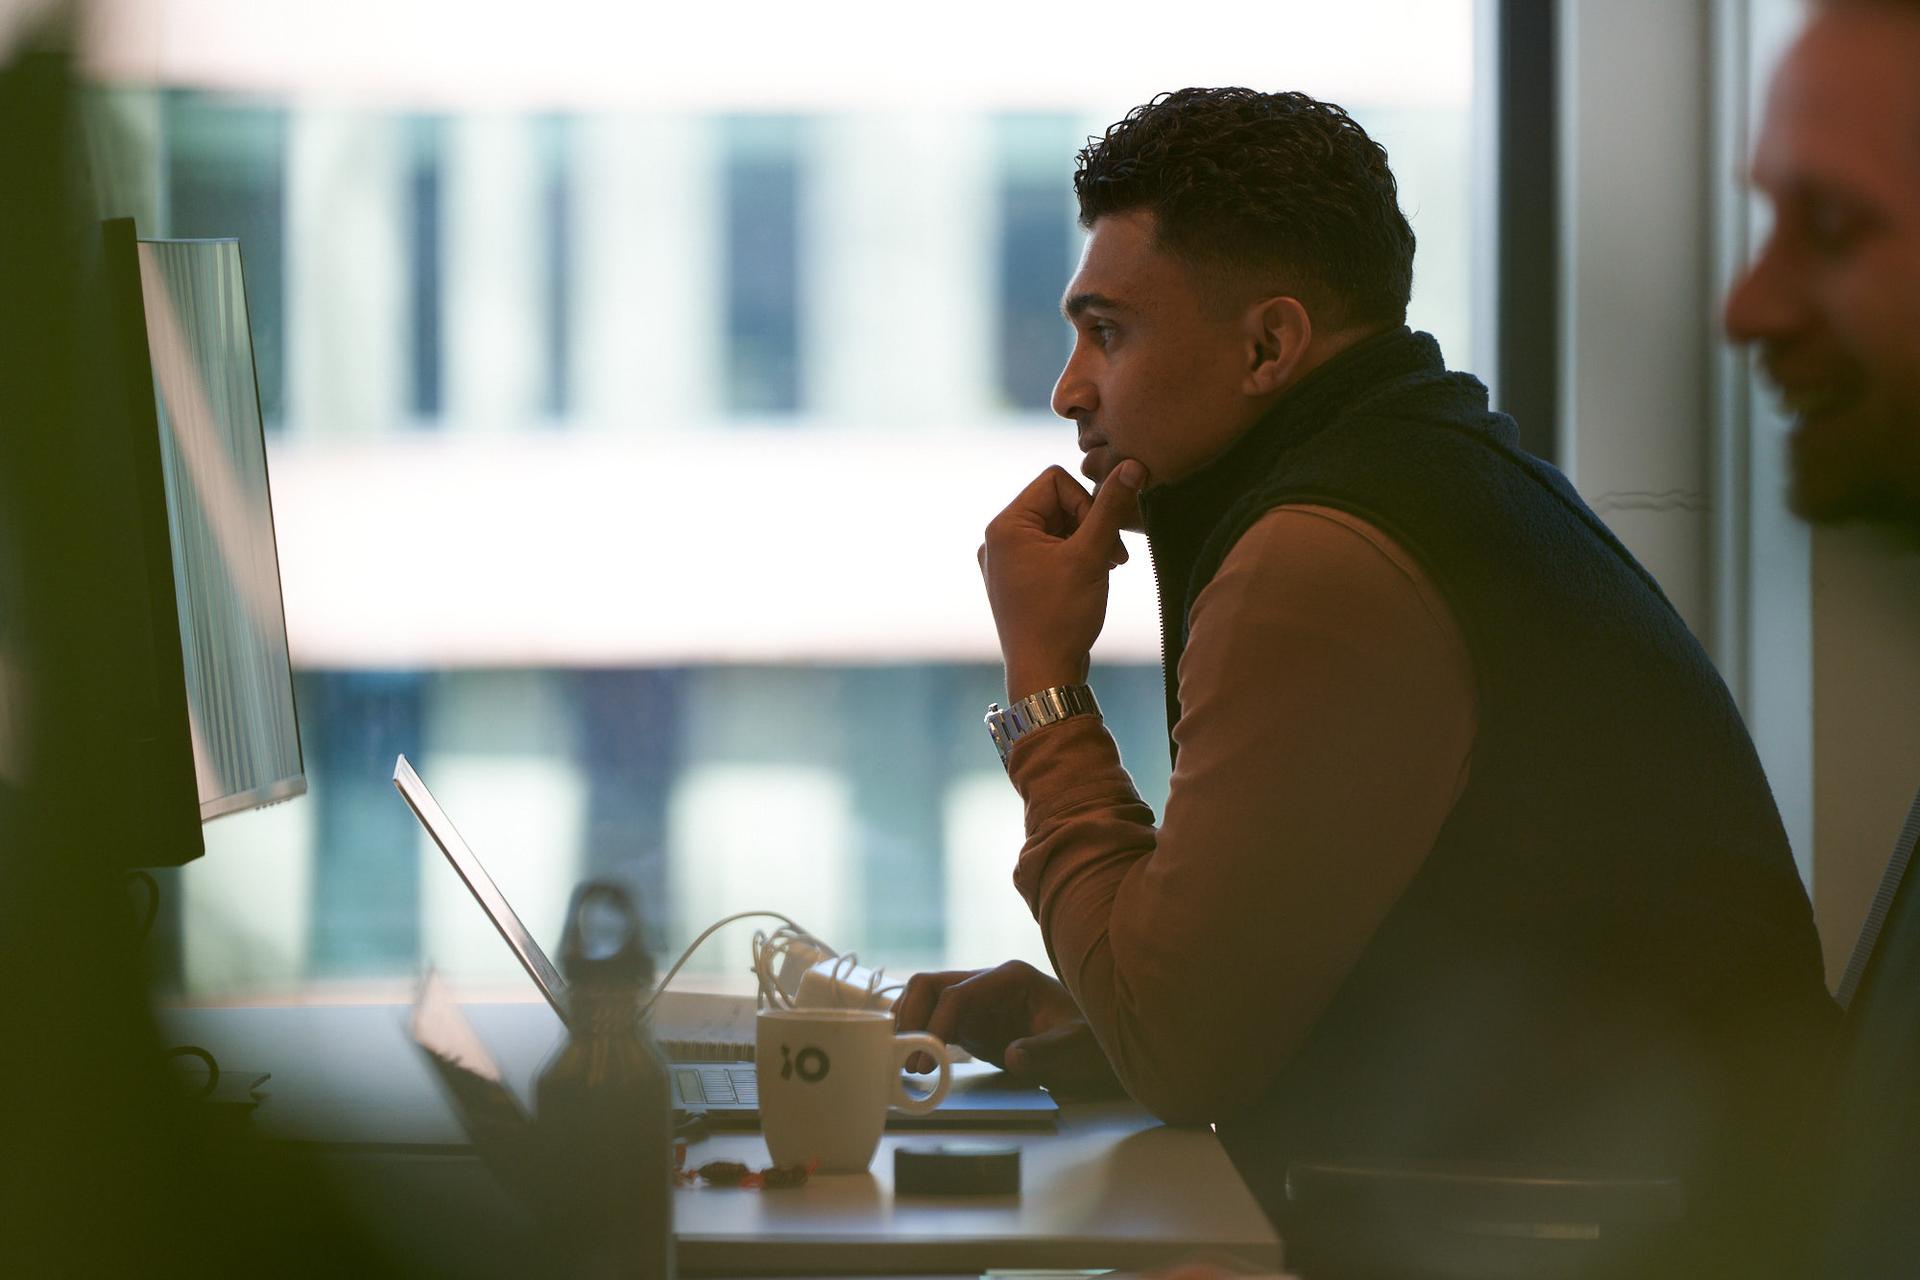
1327,721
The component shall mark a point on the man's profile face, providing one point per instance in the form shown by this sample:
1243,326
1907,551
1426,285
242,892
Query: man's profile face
1156,373
1833,299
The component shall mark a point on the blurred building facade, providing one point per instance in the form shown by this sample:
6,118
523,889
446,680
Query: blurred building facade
628,469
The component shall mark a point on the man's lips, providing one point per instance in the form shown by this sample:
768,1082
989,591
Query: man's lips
1807,401
1811,391
1099,461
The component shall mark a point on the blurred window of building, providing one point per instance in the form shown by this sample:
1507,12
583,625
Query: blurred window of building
1038,241
421,205
557,267
792,306
762,171
225,175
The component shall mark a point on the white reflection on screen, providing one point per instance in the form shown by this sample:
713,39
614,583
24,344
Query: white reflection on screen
226,572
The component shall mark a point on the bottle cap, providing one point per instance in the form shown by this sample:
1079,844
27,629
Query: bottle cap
603,943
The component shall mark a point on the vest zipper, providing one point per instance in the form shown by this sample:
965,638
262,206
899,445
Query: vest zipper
1171,691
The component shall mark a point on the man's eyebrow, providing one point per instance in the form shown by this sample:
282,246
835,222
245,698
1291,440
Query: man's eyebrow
1074,304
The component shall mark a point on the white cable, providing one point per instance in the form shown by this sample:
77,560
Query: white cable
854,987
708,932
769,948
765,948
777,948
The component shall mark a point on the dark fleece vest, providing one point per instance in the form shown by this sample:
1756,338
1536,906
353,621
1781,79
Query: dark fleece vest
1608,955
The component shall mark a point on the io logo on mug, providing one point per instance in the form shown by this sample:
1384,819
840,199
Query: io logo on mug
827,1077
813,1064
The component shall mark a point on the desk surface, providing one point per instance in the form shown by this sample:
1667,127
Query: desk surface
1110,1188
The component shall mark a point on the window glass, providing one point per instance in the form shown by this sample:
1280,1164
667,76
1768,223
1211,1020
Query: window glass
1037,240
225,176
633,430
763,159
420,216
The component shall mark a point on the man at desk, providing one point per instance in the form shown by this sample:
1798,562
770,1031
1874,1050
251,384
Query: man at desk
1467,853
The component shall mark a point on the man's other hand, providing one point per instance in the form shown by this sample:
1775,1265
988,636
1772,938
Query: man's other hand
1014,1017
1045,561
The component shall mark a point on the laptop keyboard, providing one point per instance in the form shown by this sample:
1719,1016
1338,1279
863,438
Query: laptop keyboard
716,1086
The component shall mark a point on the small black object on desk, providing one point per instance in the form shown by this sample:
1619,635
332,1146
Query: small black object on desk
956,1169
226,1099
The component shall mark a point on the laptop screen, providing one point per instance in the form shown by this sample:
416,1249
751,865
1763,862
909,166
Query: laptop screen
435,820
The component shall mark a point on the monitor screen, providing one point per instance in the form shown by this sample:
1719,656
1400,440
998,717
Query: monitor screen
233,634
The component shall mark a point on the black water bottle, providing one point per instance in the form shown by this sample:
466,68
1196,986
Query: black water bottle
605,1110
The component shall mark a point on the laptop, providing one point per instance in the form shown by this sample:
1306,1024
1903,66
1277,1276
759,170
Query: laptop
725,1093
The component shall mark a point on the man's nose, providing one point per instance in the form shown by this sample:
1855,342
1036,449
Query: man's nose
1073,394
1764,302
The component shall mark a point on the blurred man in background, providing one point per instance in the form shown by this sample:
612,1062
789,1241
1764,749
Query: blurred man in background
1832,302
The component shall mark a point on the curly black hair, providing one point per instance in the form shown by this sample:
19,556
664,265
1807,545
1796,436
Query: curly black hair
1257,190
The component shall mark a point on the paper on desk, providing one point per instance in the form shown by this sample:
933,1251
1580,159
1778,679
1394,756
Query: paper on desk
443,1031
499,1127
488,1111
692,1026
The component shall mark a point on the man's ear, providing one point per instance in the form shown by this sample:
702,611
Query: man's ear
1278,332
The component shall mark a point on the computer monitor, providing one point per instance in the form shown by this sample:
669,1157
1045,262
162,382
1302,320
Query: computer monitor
218,628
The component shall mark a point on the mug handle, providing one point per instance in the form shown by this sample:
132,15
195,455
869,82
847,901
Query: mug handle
920,1042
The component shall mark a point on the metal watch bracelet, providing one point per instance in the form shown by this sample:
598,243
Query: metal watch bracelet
1007,725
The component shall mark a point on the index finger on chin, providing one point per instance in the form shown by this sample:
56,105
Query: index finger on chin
1054,497
1070,495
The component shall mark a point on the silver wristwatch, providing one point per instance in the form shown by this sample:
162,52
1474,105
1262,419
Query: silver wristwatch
1007,725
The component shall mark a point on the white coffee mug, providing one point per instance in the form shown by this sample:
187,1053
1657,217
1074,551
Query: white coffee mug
827,1077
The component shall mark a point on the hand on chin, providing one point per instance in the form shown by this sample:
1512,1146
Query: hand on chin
1096,466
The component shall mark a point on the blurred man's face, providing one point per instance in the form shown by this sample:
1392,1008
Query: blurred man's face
1833,299
1156,373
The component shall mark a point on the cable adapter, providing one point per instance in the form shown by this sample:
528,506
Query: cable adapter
839,983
